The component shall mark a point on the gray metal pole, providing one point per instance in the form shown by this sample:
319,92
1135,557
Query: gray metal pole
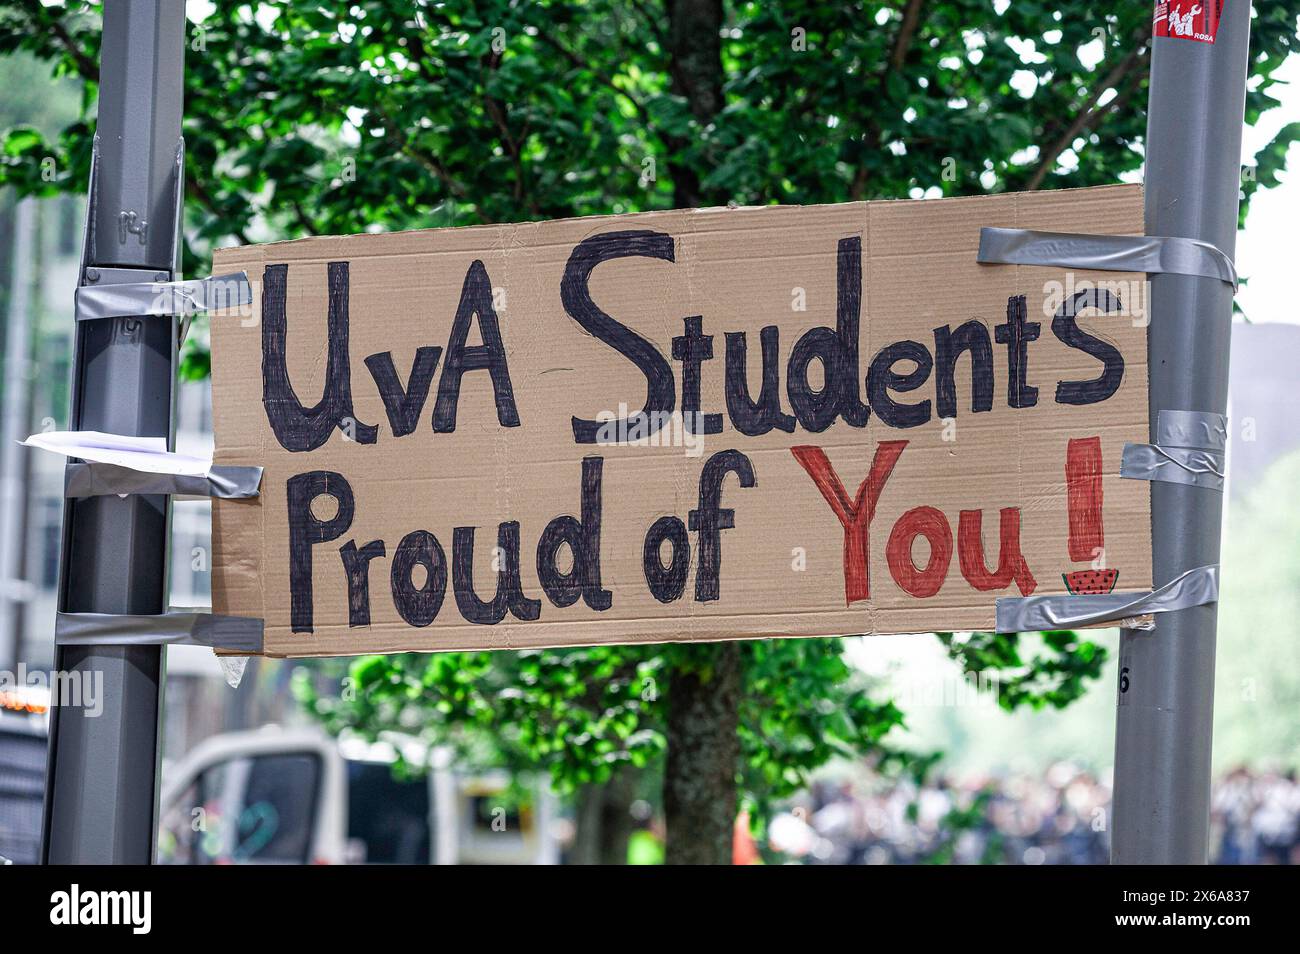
1164,724
14,590
101,789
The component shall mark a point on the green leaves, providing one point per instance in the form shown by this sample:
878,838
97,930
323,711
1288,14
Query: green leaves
578,713
581,713
1269,163
324,118
196,362
803,706
1055,676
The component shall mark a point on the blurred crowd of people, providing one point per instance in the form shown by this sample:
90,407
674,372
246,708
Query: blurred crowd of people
1256,818
1059,817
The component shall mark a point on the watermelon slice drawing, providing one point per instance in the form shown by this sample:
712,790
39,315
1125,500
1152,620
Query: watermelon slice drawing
1090,582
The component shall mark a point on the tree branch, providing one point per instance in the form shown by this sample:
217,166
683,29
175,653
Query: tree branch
906,31
897,57
1089,115
48,18
204,197
652,22
393,136
304,223
581,64
499,112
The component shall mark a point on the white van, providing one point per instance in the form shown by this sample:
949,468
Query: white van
298,796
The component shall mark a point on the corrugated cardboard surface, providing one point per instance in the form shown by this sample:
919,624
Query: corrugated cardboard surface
738,269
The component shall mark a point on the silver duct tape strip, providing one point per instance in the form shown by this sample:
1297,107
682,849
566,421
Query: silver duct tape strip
93,479
1064,611
1189,449
163,298
1200,429
176,628
1154,254
1173,465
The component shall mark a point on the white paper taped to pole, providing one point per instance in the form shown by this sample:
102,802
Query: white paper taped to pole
148,454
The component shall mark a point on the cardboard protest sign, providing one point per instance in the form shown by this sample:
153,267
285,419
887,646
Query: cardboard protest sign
690,425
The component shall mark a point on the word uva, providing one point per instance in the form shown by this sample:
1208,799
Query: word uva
847,392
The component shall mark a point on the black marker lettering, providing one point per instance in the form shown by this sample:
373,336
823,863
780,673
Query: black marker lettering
711,518
305,531
753,418
490,356
661,386
404,404
881,379
419,607
816,410
509,593
848,310
692,349
298,428
1065,326
667,583
356,565
948,347
583,540
1016,334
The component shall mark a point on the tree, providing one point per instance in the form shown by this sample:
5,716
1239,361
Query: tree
305,119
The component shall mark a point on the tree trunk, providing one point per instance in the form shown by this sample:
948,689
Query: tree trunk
604,820
703,698
703,755
695,64
616,821
585,849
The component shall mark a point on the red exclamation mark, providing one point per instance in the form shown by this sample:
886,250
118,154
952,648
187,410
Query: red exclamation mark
1083,486
1084,498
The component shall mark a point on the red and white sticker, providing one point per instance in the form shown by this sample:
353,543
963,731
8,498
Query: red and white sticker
1188,19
